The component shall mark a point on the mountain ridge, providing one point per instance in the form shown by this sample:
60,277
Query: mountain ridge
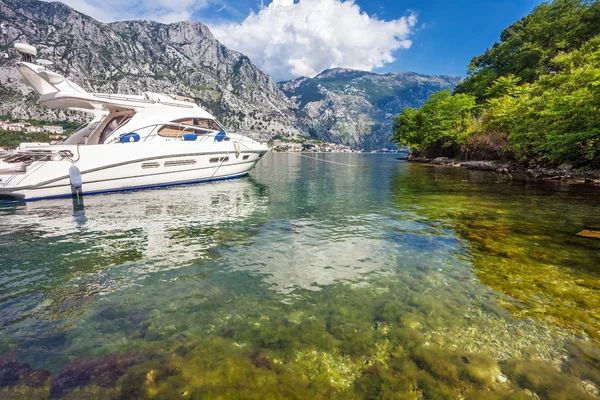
355,107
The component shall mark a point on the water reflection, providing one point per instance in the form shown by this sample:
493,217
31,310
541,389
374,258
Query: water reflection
311,279
55,258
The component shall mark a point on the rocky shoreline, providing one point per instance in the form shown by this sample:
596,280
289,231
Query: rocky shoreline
565,173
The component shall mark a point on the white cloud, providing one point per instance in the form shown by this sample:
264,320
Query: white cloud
286,38
166,11
289,39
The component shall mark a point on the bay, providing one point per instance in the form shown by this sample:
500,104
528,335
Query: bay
317,276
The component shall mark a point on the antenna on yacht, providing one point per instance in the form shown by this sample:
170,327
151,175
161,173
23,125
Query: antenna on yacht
27,52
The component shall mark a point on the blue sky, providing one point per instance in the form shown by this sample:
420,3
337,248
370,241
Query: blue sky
291,38
450,33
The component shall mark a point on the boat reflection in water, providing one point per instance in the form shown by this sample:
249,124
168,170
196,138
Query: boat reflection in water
113,243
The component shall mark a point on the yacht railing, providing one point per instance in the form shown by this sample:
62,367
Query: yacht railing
122,97
204,134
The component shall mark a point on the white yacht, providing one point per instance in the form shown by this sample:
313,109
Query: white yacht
132,142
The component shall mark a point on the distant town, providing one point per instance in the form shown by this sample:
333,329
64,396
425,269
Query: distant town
316,146
310,146
53,131
13,132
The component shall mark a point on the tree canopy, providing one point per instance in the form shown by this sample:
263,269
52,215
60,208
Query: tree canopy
527,48
535,94
443,123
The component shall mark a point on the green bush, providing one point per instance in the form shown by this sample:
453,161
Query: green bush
440,126
555,120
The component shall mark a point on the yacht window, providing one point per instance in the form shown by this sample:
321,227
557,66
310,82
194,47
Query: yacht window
150,165
170,131
179,162
177,131
200,123
113,125
217,159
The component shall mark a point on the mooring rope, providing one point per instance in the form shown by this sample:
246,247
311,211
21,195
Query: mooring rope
328,161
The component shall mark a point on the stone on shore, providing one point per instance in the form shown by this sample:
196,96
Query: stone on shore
441,161
479,165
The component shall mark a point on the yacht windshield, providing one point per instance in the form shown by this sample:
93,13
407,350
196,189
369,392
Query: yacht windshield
112,126
193,125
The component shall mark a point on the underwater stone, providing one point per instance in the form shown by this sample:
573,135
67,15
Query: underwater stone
544,379
13,372
296,317
103,371
227,332
590,388
260,360
584,361
587,233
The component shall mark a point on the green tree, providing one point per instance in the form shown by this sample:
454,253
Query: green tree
527,48
555,120
14,139
505,85
440,126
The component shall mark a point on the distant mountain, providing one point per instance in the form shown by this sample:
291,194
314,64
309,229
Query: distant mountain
182,58
355,107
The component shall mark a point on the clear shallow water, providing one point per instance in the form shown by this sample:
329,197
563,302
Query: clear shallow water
307,279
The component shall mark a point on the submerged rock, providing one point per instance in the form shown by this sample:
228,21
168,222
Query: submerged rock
104,371
13,372
296,317
544,380
588,233
261,360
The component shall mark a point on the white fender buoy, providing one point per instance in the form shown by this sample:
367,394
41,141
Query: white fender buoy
75,177
76,186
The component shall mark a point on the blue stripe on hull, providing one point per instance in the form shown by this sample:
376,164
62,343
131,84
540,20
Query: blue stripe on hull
132,189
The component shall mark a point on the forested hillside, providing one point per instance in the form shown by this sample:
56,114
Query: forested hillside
533,97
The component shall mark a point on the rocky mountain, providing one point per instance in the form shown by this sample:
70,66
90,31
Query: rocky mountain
130,57
355,107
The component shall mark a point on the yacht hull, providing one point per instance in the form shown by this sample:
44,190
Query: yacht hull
115,168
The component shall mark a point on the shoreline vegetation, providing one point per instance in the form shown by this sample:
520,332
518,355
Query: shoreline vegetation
532,101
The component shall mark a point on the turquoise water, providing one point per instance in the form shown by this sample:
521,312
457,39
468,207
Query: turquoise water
362,277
